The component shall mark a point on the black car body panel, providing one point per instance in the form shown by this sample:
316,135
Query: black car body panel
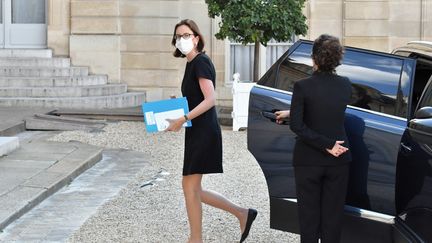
384,100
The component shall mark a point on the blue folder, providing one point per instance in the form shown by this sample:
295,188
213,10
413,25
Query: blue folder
156,113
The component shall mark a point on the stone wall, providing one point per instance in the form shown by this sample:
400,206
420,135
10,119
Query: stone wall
59,26
130,39
374,24
95,37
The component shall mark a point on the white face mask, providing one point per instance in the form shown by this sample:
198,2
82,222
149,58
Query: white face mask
185,46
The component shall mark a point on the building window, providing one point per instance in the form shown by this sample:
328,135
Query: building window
241,58
28,11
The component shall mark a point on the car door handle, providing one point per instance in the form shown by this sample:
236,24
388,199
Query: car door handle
405,148
272,117
269,115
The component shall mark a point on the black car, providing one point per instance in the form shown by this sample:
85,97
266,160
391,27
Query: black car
389,128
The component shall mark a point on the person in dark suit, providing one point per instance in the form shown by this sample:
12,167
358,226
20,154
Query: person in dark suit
321,157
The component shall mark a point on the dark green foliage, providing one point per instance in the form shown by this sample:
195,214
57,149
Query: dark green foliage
258,21
253,21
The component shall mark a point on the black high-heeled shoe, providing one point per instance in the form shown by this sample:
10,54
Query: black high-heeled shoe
252,213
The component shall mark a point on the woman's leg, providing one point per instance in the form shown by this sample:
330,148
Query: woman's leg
217,200
192,193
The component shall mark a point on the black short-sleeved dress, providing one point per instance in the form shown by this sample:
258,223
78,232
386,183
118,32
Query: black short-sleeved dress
203,141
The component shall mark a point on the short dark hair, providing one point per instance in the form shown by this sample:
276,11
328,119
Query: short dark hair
194,27
327,52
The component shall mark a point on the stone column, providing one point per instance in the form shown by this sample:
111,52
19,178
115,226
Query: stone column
427,20
95,36
146,51
367,24
324,17
59,26
218,54
405,22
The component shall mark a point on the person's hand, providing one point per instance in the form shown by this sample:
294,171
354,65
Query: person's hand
175,124
280,115
337,149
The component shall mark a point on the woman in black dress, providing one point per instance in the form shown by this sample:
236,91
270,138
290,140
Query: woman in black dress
203,141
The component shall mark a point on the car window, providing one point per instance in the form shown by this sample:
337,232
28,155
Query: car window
295,67
269,78
375,80
374,77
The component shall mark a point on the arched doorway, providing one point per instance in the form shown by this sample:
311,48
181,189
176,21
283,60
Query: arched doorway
23,24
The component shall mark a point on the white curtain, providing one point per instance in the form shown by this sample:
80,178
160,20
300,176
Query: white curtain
241,61
28,11
242,57
274,52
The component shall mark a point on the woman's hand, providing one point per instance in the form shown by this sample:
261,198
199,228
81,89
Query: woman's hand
337,149
175,124
280,115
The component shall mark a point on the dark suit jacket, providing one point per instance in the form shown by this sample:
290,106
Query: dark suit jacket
317,118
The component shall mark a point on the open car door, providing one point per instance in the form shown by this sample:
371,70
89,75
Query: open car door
375,123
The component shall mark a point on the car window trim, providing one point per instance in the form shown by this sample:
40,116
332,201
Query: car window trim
403,59
349,106
411,51
427,87
380,217
297,44
380,53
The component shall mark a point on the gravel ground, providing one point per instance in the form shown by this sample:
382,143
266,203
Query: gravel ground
156,213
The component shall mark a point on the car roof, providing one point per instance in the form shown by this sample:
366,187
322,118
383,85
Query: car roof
420,47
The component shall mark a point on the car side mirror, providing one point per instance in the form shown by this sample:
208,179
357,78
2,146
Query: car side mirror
424,112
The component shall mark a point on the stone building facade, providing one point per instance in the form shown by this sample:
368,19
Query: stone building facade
130,39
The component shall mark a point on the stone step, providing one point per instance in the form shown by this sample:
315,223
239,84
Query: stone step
55,123
36,171
93,102
53,81
118,114
42,72
8,144
57,62
224,115
47,53
64,91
